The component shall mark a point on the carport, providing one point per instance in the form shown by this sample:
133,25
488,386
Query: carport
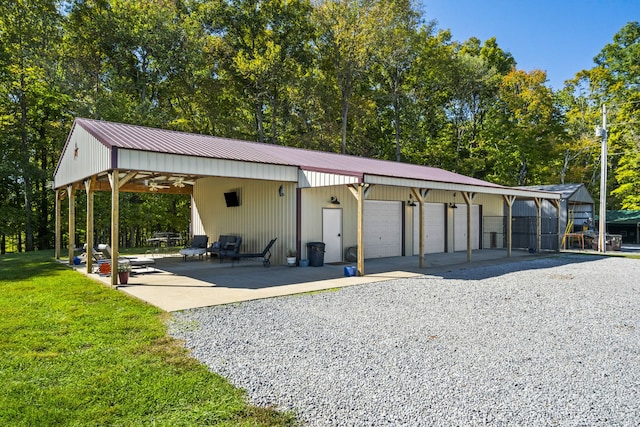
284,188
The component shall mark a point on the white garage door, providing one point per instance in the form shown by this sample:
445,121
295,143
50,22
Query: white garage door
382,229
460,227
434,231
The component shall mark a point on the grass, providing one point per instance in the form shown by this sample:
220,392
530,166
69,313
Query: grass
77,353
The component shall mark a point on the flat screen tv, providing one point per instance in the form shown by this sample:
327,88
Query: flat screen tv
232,199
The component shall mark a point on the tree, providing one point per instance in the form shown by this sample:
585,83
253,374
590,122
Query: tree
395,36
525,129
32,106
614,81
264,46
344,46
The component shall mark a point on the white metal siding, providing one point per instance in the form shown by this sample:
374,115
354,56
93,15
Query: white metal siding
382,229
171,163
313,201
92,158
196,226
261,216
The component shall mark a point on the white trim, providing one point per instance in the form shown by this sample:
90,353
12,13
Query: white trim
308,179
449,186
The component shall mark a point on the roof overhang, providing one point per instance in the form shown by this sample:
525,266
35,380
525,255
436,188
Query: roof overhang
435,185
164,160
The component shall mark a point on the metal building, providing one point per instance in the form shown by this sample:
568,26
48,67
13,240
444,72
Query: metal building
576,211
296,195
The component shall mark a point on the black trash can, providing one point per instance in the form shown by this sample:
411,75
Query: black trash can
315,253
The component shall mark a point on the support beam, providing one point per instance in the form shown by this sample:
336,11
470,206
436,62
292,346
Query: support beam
127,178
88,184
509,200
558,206
361,197
138,188
468,199
355,188
360,192
114,178
538,202
72,223
420,195
58,223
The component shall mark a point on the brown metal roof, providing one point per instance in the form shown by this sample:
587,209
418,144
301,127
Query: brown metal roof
180,143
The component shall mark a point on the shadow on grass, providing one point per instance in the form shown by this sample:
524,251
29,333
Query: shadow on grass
26,265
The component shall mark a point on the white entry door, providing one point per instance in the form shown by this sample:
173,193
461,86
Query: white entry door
332,234
382,229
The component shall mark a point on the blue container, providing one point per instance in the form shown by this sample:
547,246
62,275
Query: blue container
304,263
350,271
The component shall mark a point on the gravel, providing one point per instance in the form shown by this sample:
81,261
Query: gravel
549,341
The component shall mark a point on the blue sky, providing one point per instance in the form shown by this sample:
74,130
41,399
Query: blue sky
559,36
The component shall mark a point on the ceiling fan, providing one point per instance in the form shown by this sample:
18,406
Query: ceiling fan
154,185
180,181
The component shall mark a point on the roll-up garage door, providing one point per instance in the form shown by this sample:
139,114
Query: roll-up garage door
382,229
434,228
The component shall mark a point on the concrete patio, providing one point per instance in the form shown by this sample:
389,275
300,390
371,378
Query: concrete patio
175,284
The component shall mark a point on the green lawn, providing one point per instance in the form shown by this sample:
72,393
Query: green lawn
74,352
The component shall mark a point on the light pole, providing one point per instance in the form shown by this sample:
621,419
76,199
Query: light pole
602,229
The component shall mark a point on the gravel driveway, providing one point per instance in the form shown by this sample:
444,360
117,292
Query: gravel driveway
548,341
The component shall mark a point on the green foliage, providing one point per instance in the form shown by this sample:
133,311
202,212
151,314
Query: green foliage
365,77
77,353
614,82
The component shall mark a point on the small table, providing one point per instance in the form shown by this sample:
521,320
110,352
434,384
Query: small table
192,252
569,237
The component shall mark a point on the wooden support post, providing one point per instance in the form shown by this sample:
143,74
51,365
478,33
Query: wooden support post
58,224
558,205
538,202
361,197
88,184
72,222
115,225
468,199
509,200
420,195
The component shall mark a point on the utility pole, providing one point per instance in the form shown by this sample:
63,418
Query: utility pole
602,230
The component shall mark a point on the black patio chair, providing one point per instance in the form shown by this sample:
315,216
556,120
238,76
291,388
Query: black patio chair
265,254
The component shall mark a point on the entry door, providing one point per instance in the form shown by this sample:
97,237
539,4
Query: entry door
332,234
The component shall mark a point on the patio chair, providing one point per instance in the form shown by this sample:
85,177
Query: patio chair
231,250
136,262
265,254
226,245
198,247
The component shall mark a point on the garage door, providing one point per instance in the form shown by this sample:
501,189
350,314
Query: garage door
434,231
460,227
382,229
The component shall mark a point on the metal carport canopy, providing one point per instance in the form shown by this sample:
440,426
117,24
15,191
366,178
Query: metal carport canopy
436,185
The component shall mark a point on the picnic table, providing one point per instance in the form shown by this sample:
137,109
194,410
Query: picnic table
165,237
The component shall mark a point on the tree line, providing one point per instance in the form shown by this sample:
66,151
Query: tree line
374,78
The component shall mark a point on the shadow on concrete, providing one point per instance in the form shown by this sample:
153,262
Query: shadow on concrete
252,275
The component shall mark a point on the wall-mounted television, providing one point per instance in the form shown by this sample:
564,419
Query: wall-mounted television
231,198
